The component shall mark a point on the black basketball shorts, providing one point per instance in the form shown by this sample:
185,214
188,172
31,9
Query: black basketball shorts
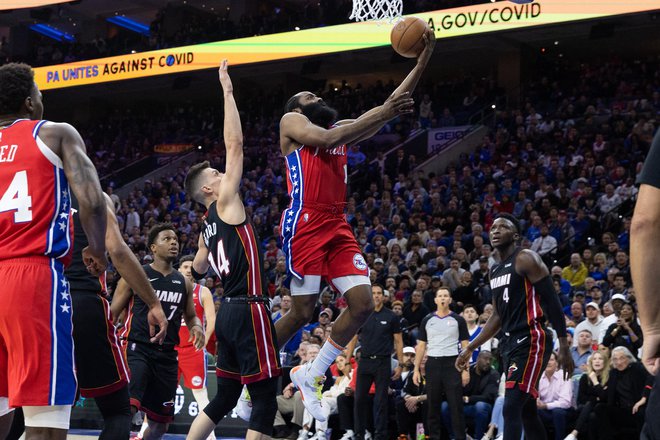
154,380
525,357
247,346
100,361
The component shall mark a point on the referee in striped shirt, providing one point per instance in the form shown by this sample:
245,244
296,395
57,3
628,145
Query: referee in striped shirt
441,334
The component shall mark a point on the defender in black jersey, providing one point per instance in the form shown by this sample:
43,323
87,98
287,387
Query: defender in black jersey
521,291
100,363
247,347
154,367
644,257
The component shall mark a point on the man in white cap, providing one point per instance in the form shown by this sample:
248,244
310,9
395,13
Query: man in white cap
408,362
593,323
617,301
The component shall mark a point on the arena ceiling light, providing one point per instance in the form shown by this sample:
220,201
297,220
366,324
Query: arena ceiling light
51,32
129,24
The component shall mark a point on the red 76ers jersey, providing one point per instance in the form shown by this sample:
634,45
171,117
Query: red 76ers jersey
317,176
184,333
35,200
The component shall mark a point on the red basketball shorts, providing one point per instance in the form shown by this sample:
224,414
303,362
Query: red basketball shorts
192,366
36,342
320,242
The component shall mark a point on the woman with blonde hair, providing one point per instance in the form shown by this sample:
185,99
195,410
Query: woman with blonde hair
628,389
591,393
598,270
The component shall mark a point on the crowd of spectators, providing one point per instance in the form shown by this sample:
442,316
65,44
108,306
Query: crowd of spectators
564,163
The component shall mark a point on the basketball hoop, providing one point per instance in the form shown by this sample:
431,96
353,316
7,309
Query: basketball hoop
388,10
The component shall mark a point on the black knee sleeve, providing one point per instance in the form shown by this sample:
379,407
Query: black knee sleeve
116,411
225,399
17,425
264,405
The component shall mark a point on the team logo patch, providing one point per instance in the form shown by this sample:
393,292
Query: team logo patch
358,262
196,380
305,217
512,369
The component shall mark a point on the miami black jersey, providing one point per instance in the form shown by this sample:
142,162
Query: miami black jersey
80,280
172,293
518,304
234,255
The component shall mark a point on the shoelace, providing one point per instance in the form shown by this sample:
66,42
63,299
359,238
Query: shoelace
318,386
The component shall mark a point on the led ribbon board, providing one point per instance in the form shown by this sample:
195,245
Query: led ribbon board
469,20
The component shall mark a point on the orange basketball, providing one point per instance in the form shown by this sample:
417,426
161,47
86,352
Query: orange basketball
407,37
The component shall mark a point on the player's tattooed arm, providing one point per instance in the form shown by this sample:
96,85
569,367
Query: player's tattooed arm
84,182
120,298
129,268
192,321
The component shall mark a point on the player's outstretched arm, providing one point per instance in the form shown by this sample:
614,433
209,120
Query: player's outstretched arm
300,130
410,83
84,182
530,265
120,298
129,268
192,321
230,207
209,312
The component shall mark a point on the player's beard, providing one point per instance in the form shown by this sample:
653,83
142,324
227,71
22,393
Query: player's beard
320,114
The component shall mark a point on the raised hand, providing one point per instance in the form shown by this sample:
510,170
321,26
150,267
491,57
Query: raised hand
225,80
429,45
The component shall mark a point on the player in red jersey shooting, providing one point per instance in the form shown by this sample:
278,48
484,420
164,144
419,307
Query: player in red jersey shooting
318,242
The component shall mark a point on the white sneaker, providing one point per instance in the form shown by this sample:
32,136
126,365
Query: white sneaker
570,437
367,436
310,389
319,435
303,434
244,405
348,435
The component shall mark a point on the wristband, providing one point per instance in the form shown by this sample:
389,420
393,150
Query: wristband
196,275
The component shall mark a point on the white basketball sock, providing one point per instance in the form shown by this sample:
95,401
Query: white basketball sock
325,358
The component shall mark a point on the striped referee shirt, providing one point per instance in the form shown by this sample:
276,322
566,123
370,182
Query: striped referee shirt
443,334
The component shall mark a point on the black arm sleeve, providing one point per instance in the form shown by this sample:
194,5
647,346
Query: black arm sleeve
553,307
196,275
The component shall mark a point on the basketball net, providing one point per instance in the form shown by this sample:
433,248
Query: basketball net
387,10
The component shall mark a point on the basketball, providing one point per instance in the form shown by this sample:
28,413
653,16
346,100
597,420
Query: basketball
407,37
